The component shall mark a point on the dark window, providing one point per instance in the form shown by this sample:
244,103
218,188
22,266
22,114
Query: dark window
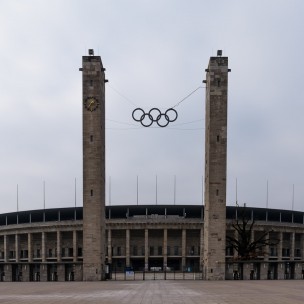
63,252
143,250
217,138
70,252
273,251
160,250
91,192
91,138
151,250
168,250
134,250
217,192
176,250
118,250
38,253
50,253
91,82
79,251
285,252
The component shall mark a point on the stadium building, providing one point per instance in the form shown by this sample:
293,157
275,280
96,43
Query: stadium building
148,242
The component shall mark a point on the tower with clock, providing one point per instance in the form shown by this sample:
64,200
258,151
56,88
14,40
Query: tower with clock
93,124
215,167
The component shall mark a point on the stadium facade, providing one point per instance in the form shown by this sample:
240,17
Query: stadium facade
47,245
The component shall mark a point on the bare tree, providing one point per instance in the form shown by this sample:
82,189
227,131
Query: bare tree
247,248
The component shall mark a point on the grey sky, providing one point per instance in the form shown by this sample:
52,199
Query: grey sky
155,53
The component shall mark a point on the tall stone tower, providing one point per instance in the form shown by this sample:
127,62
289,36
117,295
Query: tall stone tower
93,109
215,168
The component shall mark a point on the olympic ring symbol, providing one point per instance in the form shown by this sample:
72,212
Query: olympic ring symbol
154,115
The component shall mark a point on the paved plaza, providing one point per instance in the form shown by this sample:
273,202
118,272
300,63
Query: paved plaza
155,292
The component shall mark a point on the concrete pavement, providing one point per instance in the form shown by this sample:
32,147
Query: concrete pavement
154,292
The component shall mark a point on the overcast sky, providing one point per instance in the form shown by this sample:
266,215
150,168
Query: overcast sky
155,53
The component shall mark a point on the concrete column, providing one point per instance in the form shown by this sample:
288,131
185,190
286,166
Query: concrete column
25,272
266,256
17,246
30,247
58,245
5,240
264,271
43,241
302,246
128,247
60,272
43,272
146,249
280,246
235,253
252,236
202,250
292,249
109,246
165,246
75,245
281,270
8,273
183,249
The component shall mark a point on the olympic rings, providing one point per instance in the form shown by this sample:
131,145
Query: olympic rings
154,115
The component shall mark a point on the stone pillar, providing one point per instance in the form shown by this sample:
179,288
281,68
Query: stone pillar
60,272
75,246
128,247
280,246
25,272
30,247
78,272
215,167
235,253
8,273
5,240
93,139
43,272
302,246
201,263
146,249
58,249
292,249
17,247
281,270
43,241
264,271
183,249
110,246
165,246
266,256
246,270
252,235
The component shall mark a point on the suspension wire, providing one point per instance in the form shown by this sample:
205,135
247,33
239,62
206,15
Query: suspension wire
134,104
189,122
123,96
122,122
187,97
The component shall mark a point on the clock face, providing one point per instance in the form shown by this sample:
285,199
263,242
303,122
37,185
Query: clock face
91,103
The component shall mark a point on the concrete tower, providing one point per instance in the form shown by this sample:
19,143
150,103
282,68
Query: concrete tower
93,109
215,168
